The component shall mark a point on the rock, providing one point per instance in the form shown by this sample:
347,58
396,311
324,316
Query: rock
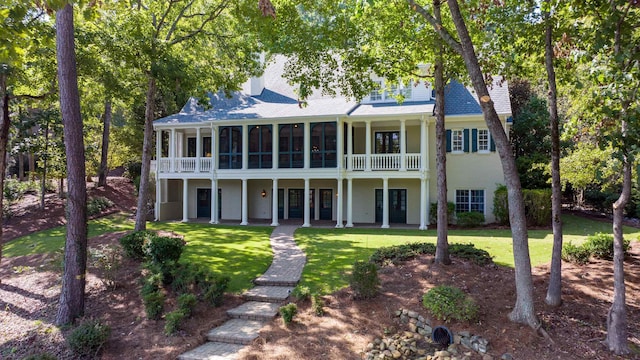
506,356
405,311
466,342
412,314
413,327
370,346
398,312
383,346
453,349
464,333
396,354
457,339
441,354
487,357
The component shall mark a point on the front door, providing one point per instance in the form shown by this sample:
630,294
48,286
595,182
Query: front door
326,204
397,206
204,203
296,203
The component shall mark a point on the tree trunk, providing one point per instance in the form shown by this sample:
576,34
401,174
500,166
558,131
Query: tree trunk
102,173
523,311
4,135
554,292
20,166
617,316
43,182
143,191
71,303
442,247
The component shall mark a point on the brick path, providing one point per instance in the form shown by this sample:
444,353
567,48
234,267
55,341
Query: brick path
272,290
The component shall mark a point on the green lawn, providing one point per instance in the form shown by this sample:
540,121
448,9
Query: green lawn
332,252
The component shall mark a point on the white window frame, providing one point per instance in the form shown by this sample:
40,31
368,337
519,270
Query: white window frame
375,95
457,140
466,199
388,95
483,140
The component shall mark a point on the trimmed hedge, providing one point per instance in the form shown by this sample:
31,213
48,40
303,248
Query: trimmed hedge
537,206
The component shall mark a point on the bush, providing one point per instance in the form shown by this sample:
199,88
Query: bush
433,213
133,243
132,170
88,338
501,205
364,280
317,304
470,219
287,312
186,303
14,189
200,280
108,260
173,320
153,304
470,252
164,250
449,302
97,204
301,292
575,254
537,205
214,289
396,253
600,245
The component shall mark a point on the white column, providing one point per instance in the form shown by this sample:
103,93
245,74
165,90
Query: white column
424,159
385,203
424,196
403,145
157,170
214,202
349,202
172,149
368,147
339,205
274,203
275,145
339,144
185,200
349,146
245,147
307,145
214,149
245,206
198,149
158,199
306,205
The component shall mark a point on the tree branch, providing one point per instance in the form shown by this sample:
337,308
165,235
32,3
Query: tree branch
164,17
437,26
177,20
214,14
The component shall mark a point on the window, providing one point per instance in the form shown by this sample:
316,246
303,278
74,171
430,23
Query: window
457,140
390,93
375,94
388,142
291,146
323,145
260,147
470,200
206,146
230,147
483,140
191,147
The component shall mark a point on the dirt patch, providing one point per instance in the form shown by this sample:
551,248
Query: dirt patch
31,284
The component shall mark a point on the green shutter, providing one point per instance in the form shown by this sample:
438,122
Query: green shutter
474,140
448,140
465,140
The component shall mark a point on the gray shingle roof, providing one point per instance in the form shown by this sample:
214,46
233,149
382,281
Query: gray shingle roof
461,100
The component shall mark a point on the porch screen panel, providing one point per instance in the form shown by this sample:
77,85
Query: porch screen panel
291,146
230,147
260,147
323,145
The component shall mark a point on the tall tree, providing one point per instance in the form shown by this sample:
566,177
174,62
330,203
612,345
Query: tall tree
71,303
102,172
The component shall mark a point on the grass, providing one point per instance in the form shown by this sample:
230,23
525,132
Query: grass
332,252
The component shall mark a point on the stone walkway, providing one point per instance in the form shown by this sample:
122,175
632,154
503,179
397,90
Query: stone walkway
263,301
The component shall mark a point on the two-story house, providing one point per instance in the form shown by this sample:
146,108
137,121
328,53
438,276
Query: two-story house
262,156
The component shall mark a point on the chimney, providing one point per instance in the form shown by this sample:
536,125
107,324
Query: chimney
257,82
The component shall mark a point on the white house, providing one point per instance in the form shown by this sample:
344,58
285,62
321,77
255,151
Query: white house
261,156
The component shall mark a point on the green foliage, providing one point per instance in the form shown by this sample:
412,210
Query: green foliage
164,250
108,260
214,289
14,189
501,205
575,254
397,253
98,204
537,204
132,170
153,304
301,292
133,243
600,245
186,303
317,304
470,219
449,302
433,213
288,312
173,320
87,339
470,252
364,280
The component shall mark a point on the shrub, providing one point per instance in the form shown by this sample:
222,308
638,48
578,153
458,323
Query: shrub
186,303
397,253
301,292
132,170
600,245
173,320
87,339
164,250
501,205
133,243
153,304
470,219
449,302
108,260
537,205
97,204
317,304
575,254
364,279
470,252
214,289
433,213
200,280
287,312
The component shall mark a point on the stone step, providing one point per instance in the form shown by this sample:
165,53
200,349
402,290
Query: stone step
277,280
274,294
213,351
255,310
236,331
